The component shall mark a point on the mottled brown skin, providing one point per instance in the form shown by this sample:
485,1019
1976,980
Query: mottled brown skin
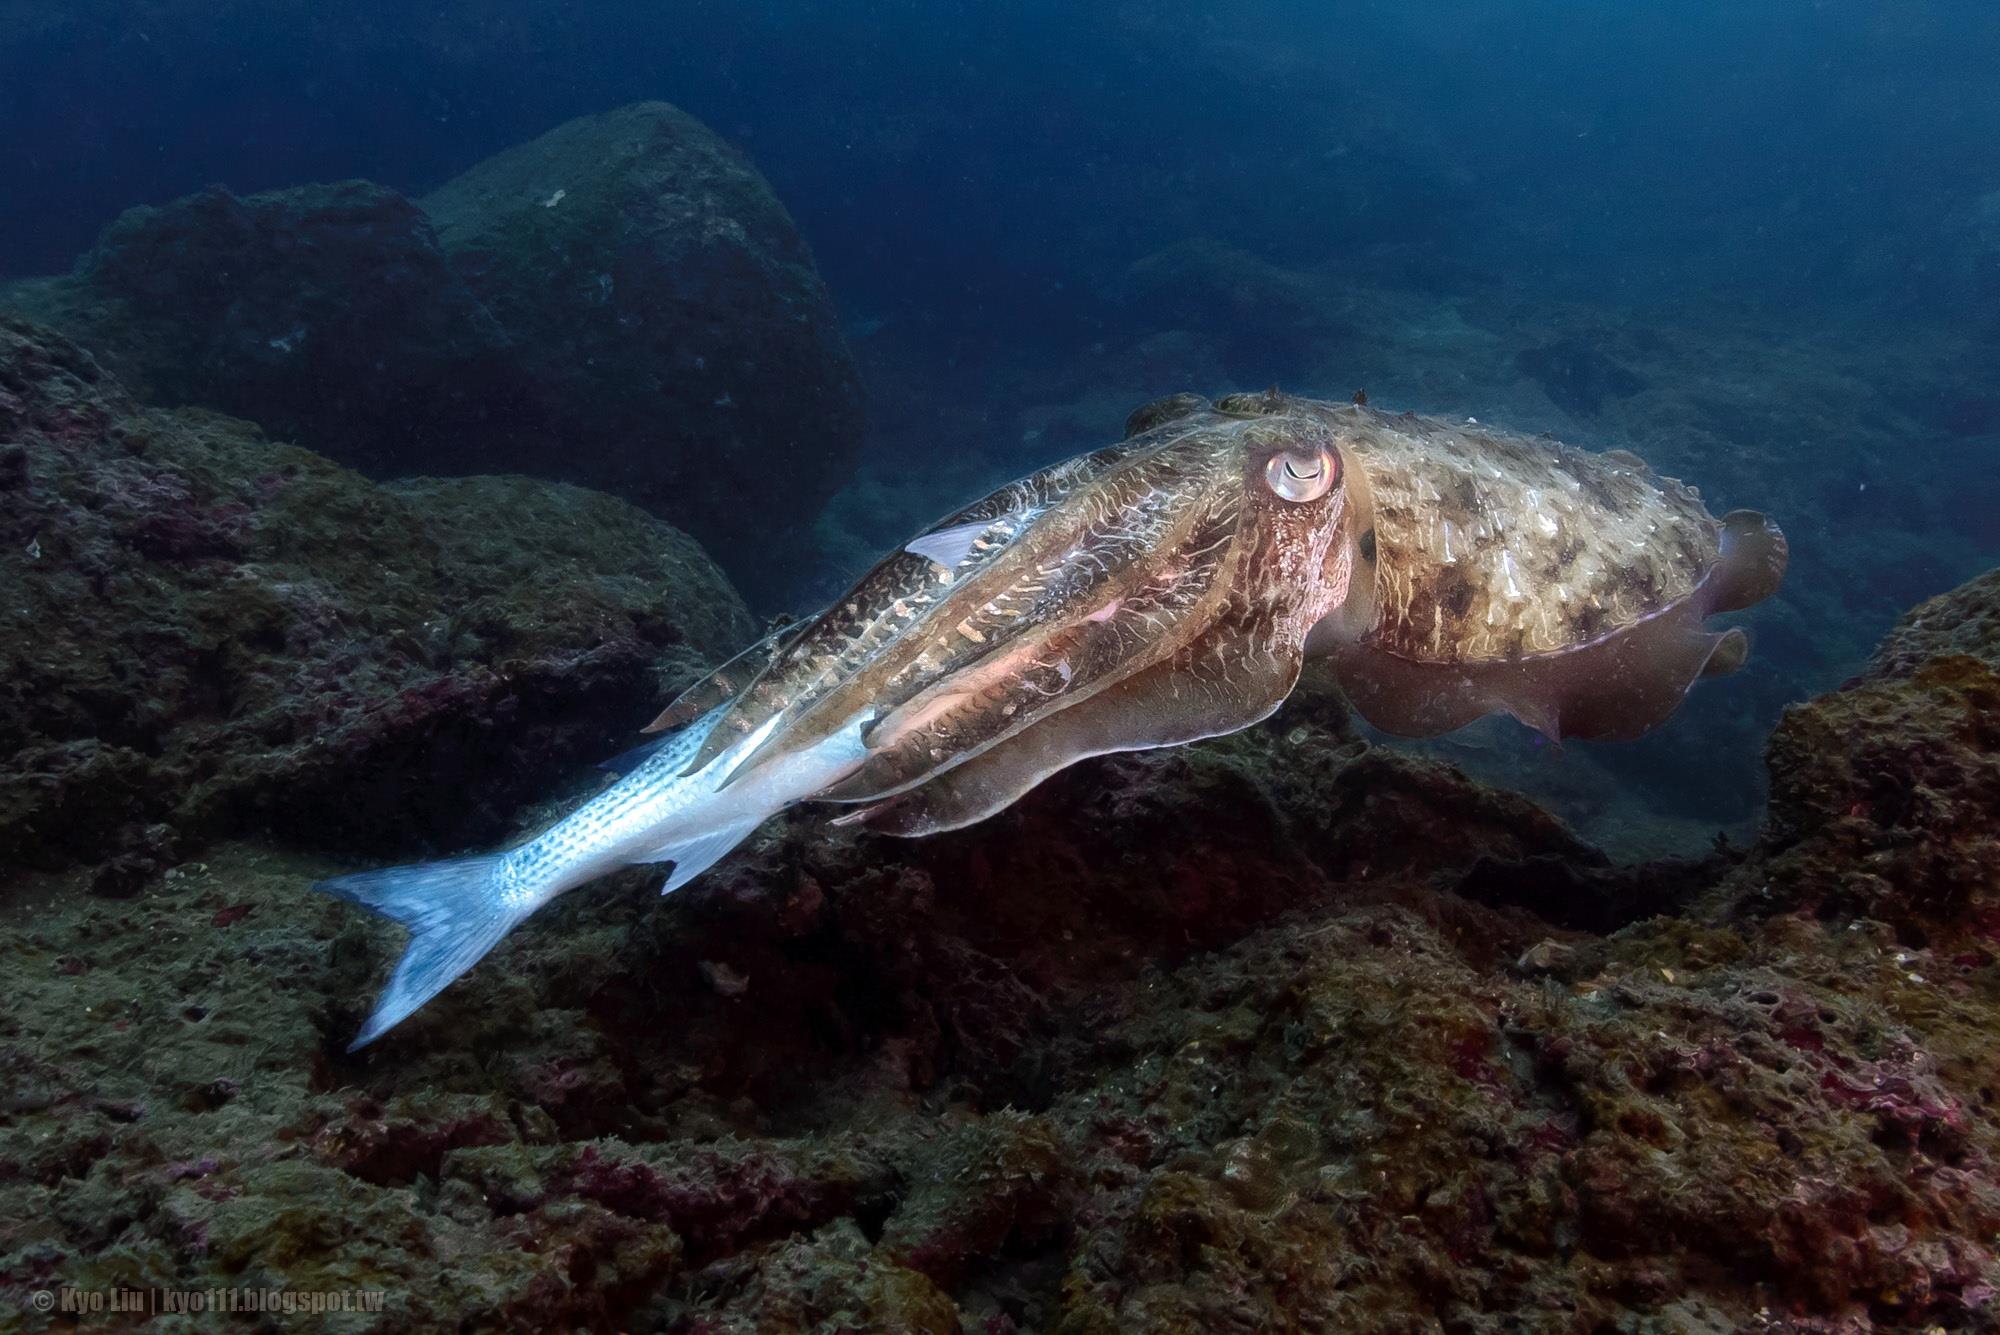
1167,589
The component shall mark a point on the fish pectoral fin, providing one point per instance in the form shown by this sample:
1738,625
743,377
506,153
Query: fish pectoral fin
948,546
692,857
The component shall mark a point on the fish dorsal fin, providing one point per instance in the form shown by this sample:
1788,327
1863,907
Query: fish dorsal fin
949,546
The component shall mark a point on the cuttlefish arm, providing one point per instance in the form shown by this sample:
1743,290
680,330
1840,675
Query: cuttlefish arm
728,681
1118,620
894,596
1289,565
1114,580
1217,685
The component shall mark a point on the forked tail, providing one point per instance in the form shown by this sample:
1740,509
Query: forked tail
455,912
459,910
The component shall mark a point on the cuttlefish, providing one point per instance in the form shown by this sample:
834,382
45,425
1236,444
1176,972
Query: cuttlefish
1168,588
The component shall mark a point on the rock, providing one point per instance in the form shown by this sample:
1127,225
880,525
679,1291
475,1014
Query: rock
214,632
1965,620
622,303
1278,1031
1884,793
325,313
670,321
1266,322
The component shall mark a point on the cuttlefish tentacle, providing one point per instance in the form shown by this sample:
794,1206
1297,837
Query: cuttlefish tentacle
1223,681
728,681
1233,657
1115,624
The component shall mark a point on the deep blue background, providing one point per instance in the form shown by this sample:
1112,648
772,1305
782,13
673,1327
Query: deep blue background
969,158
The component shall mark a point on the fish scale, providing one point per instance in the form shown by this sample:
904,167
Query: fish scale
627,813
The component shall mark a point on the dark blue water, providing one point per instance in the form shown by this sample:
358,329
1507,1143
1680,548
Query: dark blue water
936,152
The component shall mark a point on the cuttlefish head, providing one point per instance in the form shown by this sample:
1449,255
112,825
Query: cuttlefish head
1306,564
1166,596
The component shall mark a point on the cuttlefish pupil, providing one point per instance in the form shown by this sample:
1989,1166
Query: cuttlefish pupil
1302,477
1159,591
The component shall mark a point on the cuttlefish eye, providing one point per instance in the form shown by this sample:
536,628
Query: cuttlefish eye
1302,475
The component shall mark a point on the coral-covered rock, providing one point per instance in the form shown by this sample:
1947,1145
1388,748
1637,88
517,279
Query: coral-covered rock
1965,620
670,321
1884,793
208,633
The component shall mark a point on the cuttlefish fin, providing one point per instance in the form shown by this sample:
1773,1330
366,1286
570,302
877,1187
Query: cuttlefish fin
1194,695
1543,715
1752,563
1621,686
1732,647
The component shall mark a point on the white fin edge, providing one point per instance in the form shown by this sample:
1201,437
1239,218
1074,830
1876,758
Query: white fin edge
697,855
949,546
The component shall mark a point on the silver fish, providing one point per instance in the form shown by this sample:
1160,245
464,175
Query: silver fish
1166,589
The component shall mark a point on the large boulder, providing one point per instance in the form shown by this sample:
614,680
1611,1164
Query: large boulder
325,313
622,303
670,321
1884,794
205,633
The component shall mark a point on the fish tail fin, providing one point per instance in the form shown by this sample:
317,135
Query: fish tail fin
455,911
